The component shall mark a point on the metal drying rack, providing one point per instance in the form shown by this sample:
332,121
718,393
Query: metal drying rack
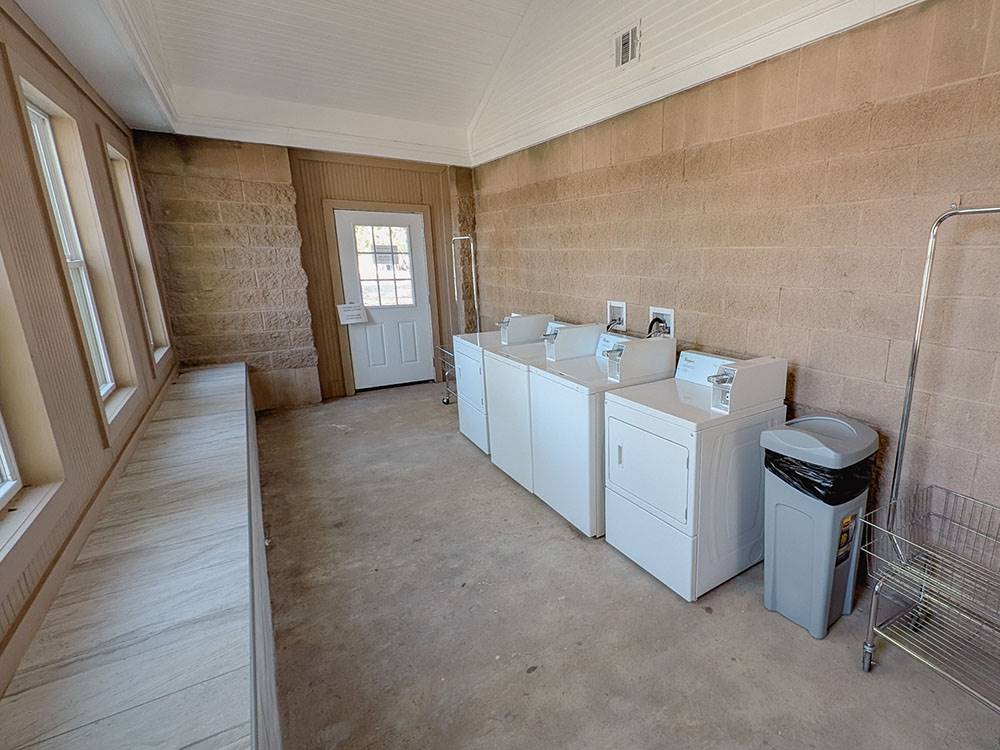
444,355
936,559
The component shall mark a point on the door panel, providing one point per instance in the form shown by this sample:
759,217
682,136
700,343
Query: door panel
383,262
375,345
652,468
407,342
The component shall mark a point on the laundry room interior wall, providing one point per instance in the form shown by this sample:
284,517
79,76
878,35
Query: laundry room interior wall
784,210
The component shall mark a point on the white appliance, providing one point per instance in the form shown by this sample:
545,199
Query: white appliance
470,380
567,420
508,395
684,470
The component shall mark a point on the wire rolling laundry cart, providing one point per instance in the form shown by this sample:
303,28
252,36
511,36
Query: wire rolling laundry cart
935,559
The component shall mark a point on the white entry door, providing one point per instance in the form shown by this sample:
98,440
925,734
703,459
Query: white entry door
384,265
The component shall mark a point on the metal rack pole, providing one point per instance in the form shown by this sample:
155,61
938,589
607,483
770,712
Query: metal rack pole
475,281
904,423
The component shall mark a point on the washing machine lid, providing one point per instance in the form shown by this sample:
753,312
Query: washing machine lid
520,354
584,374
481,340
680,402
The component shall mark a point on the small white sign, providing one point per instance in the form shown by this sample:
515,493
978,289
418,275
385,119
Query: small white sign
352,312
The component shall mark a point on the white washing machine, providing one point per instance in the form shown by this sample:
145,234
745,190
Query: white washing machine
684,469
509,398
567,420
470,380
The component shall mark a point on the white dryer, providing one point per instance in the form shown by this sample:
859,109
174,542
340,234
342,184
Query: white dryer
470,380
509,399
567,420
684,470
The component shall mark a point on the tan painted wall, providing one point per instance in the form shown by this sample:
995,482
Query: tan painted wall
67,450
784,210
225,231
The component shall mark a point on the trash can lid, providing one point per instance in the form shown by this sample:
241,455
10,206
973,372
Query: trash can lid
833,442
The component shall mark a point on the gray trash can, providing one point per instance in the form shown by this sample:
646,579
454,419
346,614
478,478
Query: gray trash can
816,479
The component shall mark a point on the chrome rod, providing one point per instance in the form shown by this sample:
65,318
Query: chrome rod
915,352
475,280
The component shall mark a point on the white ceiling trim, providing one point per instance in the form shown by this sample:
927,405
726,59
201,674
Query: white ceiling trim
120,14
788,32
217,114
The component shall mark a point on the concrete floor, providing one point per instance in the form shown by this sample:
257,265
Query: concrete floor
424,600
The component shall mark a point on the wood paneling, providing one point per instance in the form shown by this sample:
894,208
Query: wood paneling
125,649
34,537
322,177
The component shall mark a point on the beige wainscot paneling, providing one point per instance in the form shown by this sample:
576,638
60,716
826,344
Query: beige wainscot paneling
68,447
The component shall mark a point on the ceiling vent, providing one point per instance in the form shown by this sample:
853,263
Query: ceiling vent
626,44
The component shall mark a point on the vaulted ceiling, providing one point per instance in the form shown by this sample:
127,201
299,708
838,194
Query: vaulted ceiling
455,81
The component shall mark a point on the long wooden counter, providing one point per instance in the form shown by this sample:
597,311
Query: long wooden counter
161,634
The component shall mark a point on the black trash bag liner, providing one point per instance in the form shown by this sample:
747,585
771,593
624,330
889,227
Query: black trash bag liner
832,486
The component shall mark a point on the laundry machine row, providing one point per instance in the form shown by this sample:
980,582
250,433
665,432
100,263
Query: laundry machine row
667,464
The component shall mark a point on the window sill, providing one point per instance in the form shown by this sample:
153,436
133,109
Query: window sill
159,353
18,515
116,402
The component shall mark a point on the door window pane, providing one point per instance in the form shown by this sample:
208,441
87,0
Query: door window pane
384,265
366,266
387,291
363,239
404,292
369,293
401,239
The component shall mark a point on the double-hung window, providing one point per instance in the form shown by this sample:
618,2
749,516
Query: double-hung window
139,255
10,481
72,250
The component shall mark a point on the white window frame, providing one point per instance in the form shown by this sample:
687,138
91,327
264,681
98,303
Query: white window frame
10,479
153,320
71,249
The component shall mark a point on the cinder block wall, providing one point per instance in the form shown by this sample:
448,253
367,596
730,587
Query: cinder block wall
784,210
224,229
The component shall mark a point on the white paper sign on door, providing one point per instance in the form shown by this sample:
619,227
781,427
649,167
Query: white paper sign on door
352,312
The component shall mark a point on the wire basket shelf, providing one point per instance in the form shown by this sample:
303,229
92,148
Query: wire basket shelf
936,559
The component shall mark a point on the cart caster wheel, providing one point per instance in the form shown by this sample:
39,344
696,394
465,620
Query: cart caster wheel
446,401
866,662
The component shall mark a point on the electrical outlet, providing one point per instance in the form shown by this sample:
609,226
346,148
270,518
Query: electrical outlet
666,314
616,315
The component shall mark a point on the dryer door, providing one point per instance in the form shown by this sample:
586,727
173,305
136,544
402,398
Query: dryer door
650,468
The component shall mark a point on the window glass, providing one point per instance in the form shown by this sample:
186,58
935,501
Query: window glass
71,248
10,481
384,265
140,257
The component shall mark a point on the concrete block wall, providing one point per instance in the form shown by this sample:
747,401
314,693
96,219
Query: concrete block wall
224,229
784,210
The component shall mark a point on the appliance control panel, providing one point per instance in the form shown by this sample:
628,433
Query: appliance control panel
521,329
642,358
742,384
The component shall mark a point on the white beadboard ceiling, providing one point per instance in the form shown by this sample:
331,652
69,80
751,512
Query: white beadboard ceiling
455,81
